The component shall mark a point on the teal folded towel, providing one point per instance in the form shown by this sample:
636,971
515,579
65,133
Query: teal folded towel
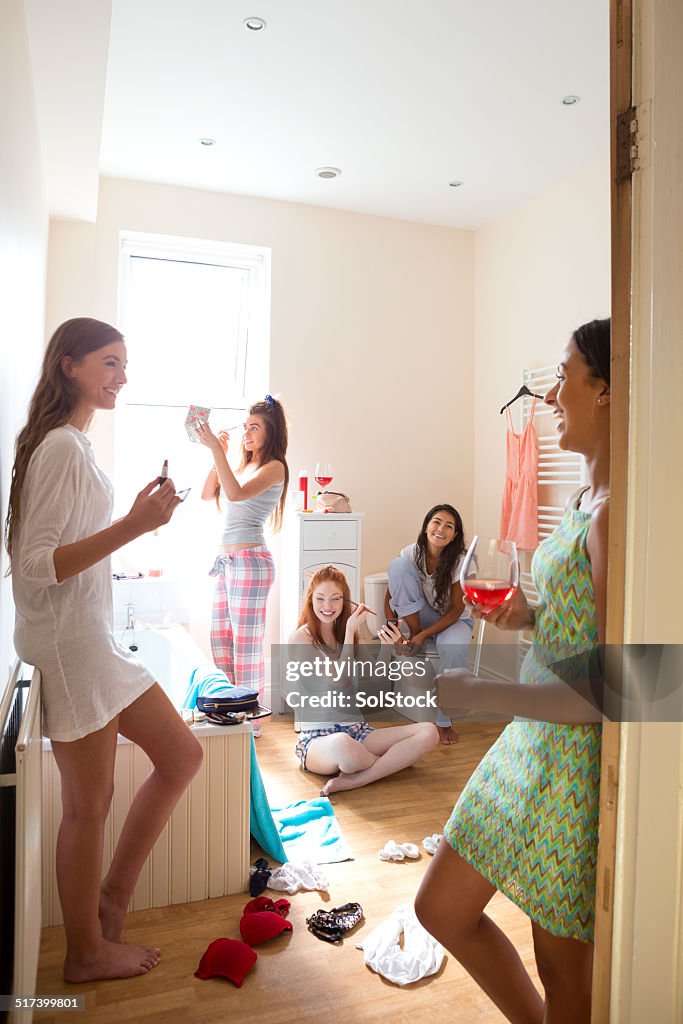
206,679
305,830
309,830
263,827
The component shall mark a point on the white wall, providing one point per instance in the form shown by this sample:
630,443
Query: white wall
371,339
540,272
23,255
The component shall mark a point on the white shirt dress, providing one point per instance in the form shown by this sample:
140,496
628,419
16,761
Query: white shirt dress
66,629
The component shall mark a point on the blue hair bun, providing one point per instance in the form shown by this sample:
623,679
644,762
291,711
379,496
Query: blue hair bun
270,401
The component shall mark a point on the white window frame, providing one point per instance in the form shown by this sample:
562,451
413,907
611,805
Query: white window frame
255,344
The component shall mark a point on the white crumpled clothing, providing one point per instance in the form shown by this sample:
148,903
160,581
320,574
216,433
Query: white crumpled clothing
293,876
421,955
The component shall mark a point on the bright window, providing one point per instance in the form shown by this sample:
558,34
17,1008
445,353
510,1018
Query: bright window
195,316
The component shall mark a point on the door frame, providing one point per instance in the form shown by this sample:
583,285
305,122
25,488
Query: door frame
621,91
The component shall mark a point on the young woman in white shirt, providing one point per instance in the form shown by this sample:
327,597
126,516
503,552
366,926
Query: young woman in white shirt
59,536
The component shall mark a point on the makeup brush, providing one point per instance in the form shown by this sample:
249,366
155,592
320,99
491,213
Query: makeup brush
357,605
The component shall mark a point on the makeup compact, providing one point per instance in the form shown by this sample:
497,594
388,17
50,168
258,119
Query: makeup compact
196,414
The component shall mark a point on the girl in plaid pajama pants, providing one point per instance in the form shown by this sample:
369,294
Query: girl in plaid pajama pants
244,568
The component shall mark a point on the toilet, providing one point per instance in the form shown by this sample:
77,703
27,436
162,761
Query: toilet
374,592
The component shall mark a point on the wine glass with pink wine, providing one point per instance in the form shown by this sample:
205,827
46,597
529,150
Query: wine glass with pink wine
490,572
323,474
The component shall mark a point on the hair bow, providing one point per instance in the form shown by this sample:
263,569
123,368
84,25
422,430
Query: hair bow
270,401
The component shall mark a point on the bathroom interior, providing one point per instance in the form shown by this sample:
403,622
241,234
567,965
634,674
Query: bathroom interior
401,304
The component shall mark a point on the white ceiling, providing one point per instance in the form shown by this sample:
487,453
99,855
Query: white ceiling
403,95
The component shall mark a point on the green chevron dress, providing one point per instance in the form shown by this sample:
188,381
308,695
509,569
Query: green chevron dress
528,818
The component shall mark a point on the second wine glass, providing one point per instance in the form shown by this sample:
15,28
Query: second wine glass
323,474
490,572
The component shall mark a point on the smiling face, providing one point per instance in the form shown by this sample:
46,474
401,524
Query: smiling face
580,403
98,378
255,434
328,602
441,530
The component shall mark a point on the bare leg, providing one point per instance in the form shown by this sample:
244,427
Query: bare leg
450,904
565,967
391,750
154,725
86,767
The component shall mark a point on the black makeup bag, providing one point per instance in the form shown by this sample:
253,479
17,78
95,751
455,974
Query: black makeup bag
230,701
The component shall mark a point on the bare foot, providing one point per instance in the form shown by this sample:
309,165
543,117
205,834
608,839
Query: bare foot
338,784
111,960
447,735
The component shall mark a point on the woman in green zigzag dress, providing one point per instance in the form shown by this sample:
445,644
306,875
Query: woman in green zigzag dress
526,824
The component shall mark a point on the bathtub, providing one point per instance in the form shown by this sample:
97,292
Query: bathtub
204,849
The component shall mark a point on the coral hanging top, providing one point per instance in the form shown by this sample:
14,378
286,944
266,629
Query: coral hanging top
519,512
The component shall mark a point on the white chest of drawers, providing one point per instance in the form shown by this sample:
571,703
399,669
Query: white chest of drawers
311,540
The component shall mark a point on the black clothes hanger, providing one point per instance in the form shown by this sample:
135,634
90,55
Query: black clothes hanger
520,394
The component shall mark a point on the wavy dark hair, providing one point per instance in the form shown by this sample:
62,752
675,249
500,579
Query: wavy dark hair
53,402
275,448
330,574
593,341
447,559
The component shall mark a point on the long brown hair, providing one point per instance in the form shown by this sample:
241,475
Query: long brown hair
53,403
447,559
273,415
308,618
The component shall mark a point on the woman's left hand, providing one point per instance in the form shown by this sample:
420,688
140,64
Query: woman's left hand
456,690
390,633
208,438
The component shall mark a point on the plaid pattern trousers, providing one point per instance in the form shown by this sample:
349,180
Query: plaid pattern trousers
238,620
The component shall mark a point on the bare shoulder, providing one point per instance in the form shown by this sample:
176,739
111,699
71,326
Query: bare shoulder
273,472
300,636
598,531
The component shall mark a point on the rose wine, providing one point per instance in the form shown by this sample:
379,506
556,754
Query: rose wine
323,481
488,593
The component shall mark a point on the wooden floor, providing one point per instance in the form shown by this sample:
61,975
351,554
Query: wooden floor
297,978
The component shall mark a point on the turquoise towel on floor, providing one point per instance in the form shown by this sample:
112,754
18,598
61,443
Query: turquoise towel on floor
306,830
309,830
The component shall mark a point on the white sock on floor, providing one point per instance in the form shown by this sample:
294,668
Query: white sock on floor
398,851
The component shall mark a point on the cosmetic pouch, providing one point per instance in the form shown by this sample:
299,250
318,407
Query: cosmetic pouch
229,701
332,501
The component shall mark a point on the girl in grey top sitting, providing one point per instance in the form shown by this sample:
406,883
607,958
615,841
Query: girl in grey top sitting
348,748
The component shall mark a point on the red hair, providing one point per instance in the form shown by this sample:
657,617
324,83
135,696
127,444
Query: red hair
308,618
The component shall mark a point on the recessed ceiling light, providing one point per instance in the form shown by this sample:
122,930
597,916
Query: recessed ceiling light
456,184
207,142
254,24
327,172
569,101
